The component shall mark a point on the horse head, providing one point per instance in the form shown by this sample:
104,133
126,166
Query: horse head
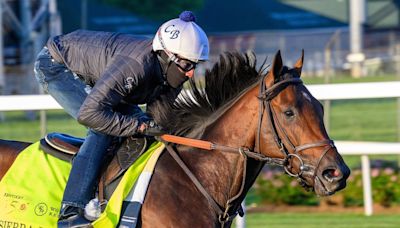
293,120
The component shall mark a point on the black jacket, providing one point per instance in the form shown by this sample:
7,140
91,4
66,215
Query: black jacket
123,70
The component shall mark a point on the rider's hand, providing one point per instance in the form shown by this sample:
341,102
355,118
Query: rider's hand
150,128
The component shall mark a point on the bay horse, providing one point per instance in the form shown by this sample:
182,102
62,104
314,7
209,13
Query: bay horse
254,117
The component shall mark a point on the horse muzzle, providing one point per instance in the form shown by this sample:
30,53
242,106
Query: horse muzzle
331,174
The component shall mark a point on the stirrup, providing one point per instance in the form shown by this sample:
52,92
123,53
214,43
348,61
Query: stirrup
72,217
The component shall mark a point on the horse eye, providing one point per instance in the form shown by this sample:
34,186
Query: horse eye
289,113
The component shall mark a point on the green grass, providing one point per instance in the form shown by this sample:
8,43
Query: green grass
359,120
348,79
17,127
320,220
368,120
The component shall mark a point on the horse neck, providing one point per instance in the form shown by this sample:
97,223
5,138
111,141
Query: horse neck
223,173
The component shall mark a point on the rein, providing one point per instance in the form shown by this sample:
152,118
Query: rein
265,97
207,145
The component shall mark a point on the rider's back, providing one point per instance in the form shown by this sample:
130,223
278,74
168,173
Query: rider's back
88,53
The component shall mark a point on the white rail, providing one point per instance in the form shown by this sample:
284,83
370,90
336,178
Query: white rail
28,102
321,92
350,91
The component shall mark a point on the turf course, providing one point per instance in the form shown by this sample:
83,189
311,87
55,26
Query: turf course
320,220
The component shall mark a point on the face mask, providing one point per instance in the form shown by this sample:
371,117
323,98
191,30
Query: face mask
175,77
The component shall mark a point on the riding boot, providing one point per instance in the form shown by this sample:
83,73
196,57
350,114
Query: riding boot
72,217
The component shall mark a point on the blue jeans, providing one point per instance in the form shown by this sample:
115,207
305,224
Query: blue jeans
70,92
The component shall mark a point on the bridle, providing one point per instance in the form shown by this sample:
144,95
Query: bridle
265,97
229,212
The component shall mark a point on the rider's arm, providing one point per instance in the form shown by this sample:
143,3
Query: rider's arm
98,110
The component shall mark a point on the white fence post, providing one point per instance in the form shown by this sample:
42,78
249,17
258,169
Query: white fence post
241,221
366,178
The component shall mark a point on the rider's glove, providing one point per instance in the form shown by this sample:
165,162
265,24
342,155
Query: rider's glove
150,128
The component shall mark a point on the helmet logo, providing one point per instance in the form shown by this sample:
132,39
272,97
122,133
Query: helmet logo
174,33
128,83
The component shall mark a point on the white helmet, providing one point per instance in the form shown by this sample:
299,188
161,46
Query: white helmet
182,36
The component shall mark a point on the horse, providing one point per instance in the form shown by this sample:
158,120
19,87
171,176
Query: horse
253,116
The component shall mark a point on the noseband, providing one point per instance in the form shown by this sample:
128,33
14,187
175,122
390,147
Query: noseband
265,97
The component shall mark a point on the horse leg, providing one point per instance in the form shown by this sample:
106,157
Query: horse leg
9,151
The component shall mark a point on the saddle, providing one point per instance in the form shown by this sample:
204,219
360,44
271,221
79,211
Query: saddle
120,156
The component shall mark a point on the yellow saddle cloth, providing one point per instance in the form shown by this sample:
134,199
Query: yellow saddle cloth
32,189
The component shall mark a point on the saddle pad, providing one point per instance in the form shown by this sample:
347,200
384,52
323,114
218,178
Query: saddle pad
31,191
146,163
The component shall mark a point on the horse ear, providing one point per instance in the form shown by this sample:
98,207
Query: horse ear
299,64
277,65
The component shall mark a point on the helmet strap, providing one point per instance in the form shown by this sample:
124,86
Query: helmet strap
165,62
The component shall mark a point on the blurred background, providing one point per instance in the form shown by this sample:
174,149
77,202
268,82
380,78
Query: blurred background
345,41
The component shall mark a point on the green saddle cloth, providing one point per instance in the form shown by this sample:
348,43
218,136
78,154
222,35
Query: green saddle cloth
31,191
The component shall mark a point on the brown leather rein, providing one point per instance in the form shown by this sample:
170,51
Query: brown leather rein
265,96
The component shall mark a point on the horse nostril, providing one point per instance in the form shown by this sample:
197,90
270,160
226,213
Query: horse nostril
336,173
332,175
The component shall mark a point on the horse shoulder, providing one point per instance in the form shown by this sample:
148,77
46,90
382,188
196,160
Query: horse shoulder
172,199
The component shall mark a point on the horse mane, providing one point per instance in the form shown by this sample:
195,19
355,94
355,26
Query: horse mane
196,107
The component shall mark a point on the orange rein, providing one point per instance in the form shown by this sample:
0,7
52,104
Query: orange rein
205,145
188,142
